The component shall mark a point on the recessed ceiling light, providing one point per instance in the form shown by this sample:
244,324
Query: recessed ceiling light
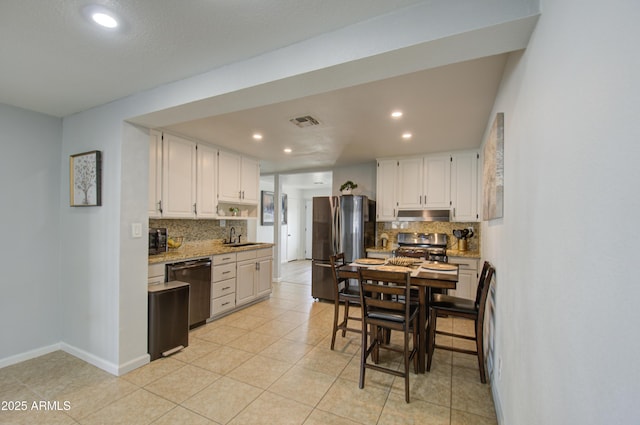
407,136
104,20
287,150
396,114
257,136
101,16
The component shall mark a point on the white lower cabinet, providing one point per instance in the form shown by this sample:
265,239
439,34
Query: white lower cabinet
254,273
223,283
265,272
467,277
155,274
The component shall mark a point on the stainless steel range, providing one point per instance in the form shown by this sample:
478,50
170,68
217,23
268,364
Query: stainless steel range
430,246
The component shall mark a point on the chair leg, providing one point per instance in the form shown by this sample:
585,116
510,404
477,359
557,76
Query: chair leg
335,323
480,349
346,318
406,363
363,354
431,340
415,346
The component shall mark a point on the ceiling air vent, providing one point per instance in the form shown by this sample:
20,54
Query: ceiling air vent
305,121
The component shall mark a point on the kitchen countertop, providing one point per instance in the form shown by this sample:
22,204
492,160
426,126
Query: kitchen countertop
465,254
202,249
381,250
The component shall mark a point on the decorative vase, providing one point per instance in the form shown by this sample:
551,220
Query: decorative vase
346,191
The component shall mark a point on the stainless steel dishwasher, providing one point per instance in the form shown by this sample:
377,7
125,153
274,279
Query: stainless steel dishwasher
198,274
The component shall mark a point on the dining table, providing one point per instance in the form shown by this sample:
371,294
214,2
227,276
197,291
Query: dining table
424,280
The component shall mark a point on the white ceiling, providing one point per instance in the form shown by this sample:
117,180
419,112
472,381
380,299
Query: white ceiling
55,62
445,108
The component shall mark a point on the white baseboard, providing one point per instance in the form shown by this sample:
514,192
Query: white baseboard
28,355
98,362
497,403
134,364
112,368
90,358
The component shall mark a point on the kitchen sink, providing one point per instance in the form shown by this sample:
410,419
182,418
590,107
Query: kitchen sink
236,245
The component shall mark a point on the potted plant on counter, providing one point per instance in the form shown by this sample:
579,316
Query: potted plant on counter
347,187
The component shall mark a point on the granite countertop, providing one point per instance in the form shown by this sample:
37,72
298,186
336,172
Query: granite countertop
465,254
202,249
380,250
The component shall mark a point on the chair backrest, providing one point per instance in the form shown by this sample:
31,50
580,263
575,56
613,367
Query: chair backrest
337,261
482,304
481,282
384,291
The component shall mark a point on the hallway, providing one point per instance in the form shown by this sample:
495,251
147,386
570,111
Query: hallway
298,272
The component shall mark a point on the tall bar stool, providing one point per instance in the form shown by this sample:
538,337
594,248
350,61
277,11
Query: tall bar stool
386,305
441,304
343,293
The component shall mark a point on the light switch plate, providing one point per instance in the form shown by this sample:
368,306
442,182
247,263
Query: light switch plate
136,230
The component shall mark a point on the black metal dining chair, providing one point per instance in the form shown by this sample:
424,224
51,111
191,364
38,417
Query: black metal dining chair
386,305
345,294
441,305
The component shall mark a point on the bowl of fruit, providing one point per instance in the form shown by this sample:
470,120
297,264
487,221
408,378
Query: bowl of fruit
174,242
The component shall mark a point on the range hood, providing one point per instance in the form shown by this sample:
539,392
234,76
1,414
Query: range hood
424,215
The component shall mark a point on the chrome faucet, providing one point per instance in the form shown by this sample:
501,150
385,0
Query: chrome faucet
232,233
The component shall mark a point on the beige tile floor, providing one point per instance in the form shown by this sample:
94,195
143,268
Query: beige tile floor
267,364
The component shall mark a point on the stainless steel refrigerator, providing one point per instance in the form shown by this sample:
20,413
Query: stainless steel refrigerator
340,224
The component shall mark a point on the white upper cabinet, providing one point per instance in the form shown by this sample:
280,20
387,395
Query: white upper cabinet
188,179
464,186
154,208
229,176
178,177
250,180
424,182
437,181
386,185
410,180
239,179
207,179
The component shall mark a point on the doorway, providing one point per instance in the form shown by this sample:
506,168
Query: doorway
293,230
300,189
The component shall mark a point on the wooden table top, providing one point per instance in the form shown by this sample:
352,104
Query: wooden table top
432,279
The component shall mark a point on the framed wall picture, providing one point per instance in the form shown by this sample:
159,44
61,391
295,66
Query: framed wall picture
285,205
493,171
268,208
266,212
85,178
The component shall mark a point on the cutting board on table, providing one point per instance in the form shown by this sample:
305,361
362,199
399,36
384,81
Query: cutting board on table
400,269
439,266
370,261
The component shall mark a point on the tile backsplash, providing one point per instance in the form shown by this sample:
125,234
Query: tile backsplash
201,230
473,243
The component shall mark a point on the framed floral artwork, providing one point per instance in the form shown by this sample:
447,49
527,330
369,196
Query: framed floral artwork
85,171
493,171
